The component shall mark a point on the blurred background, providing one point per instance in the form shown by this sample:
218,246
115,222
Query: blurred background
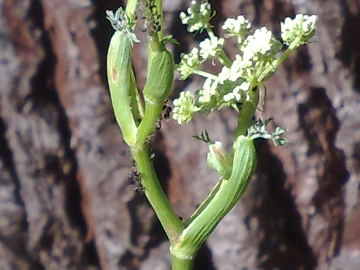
65,199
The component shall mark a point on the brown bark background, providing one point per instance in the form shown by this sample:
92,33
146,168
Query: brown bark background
65,202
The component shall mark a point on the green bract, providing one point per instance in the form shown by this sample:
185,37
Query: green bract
158,86
160,78
120,77
121,22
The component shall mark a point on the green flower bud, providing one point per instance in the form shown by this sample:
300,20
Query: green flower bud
219,160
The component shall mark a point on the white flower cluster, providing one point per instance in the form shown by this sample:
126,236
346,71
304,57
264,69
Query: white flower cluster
238,68
302,27
208,92
198,16
258,58
209,47
261,44
184,107
189,62
236,27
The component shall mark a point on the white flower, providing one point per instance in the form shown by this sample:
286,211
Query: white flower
199,15
236,26
184,107
208,91
302,28
238,93
240,68
261,43
224,74
188,63
210,47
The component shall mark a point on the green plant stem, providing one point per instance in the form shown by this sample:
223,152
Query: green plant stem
136,103
155,195
224,59
293,46
152,112
209,30
205,203
206,74
247,112
130,9
159,8
181,263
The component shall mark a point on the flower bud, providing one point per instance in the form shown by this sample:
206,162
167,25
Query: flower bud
219,160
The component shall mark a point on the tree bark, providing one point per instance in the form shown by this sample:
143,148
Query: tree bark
65,201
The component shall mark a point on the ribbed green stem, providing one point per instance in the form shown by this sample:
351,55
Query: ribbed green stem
155,195
205,203
148,123
292,47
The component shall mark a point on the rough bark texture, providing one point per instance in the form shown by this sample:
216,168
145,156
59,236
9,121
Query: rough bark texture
65,202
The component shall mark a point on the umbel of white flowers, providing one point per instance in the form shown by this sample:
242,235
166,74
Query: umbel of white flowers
257,59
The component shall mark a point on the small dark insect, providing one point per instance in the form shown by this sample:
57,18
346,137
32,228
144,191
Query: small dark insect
239,105
149,138
152,155
158,124
166,110
165,114
135,180
142,29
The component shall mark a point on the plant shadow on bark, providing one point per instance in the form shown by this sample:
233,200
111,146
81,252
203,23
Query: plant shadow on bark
283,243
350,42
320,125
